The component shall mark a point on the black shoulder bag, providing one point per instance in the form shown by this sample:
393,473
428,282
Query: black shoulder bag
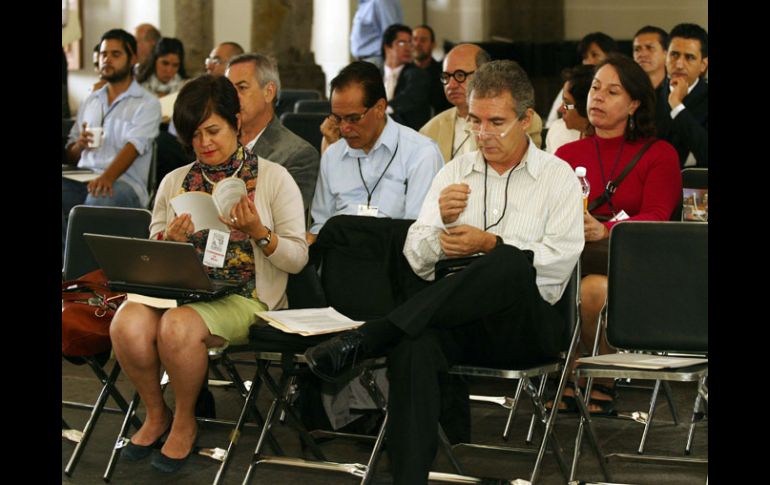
593,260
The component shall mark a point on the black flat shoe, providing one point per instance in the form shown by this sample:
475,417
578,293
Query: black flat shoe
330,360
171,465
134,452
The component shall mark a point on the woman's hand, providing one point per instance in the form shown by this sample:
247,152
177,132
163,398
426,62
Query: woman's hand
245,218
593,229
180,228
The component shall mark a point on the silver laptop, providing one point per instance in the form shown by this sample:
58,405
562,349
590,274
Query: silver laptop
163,269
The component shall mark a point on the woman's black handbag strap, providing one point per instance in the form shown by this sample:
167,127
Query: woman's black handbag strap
612,185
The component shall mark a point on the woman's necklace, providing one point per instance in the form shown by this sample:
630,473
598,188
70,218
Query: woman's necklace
235,174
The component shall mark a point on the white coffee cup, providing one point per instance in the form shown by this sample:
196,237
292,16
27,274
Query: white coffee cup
97,136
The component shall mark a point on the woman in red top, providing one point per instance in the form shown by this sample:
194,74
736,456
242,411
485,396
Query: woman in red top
621,105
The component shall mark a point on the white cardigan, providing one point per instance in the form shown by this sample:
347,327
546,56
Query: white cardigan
279,204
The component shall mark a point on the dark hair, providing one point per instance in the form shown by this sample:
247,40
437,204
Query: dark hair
199,99
391,33
496,77
128,40
367,75
429,29
692,31
651,29
604,41
166,45
637,84
579,79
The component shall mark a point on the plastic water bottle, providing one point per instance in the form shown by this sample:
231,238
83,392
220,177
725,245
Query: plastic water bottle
584,185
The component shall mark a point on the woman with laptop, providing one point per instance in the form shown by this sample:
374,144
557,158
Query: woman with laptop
259,240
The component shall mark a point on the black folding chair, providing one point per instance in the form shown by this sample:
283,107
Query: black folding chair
306,125
78,260
657,303
288,97
312,106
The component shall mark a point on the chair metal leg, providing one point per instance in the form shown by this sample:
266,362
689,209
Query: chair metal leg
650,416
585,424
121,441
108,382
698,401
371,465
540,412
512,412
671,403
448,448
541,391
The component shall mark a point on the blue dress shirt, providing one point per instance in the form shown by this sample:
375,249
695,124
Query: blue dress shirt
398,195
370,22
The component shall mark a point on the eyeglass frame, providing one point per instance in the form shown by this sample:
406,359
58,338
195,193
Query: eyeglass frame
349,118
212,60
491,134
444,76
566,106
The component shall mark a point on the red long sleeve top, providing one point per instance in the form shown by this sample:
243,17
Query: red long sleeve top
649,192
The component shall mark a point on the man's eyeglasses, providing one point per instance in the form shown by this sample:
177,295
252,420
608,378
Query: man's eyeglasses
212,60
402,43
349,119
459,75
476,130
567,107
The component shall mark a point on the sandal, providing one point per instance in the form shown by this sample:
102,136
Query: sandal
606,390
570,405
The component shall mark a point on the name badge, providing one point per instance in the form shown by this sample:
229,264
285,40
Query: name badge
620,216
367,210
216,248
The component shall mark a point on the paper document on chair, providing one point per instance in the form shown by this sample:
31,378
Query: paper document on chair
308,321
644,361
79,175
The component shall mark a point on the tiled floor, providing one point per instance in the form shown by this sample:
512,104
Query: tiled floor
615,435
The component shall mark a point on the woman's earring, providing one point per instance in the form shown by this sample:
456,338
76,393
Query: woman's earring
631,124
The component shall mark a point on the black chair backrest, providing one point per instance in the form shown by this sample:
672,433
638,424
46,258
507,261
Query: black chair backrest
692,178
567,306
114,221
305,125
364,273
312,106
287,98
657,297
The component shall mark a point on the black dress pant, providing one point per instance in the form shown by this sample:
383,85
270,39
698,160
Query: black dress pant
489,314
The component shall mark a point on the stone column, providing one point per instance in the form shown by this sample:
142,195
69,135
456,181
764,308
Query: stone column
283,28
195,28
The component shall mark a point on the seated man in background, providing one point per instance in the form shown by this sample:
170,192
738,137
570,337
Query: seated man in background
423,43
448,128
650,46
255,77
146,35
216,62
406,85
498,310
682,109
379,168
129,118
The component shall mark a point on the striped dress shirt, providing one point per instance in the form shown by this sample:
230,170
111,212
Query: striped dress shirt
544,213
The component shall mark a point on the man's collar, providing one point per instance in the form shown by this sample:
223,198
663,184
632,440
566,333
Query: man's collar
388,137
397,70
531,162
134,90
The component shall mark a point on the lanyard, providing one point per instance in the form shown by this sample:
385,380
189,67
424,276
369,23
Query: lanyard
505,202
454,152
361,173
239,154
612,172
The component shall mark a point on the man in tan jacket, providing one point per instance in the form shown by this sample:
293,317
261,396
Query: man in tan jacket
448,127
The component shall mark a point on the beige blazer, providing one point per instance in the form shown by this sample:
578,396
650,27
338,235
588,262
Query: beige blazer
441,129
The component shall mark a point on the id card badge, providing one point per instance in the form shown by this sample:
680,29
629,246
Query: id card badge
620,216
216,248
367,210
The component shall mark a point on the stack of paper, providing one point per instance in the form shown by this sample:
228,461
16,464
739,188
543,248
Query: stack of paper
643,361
308,321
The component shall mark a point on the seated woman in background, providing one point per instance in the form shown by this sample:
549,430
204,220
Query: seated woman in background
266,242
573,124
164,73
621,105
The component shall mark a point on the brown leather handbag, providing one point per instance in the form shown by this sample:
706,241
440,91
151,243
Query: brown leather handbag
88,306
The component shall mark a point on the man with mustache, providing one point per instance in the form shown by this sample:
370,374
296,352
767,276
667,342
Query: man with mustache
129,117
650,45
379,167
681,112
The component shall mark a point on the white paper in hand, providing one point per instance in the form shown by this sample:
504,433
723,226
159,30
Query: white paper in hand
227,193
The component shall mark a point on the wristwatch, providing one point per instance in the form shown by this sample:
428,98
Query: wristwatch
261,243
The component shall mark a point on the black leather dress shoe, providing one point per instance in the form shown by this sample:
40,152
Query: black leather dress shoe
332,359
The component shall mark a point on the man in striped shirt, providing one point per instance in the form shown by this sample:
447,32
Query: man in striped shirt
522,209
